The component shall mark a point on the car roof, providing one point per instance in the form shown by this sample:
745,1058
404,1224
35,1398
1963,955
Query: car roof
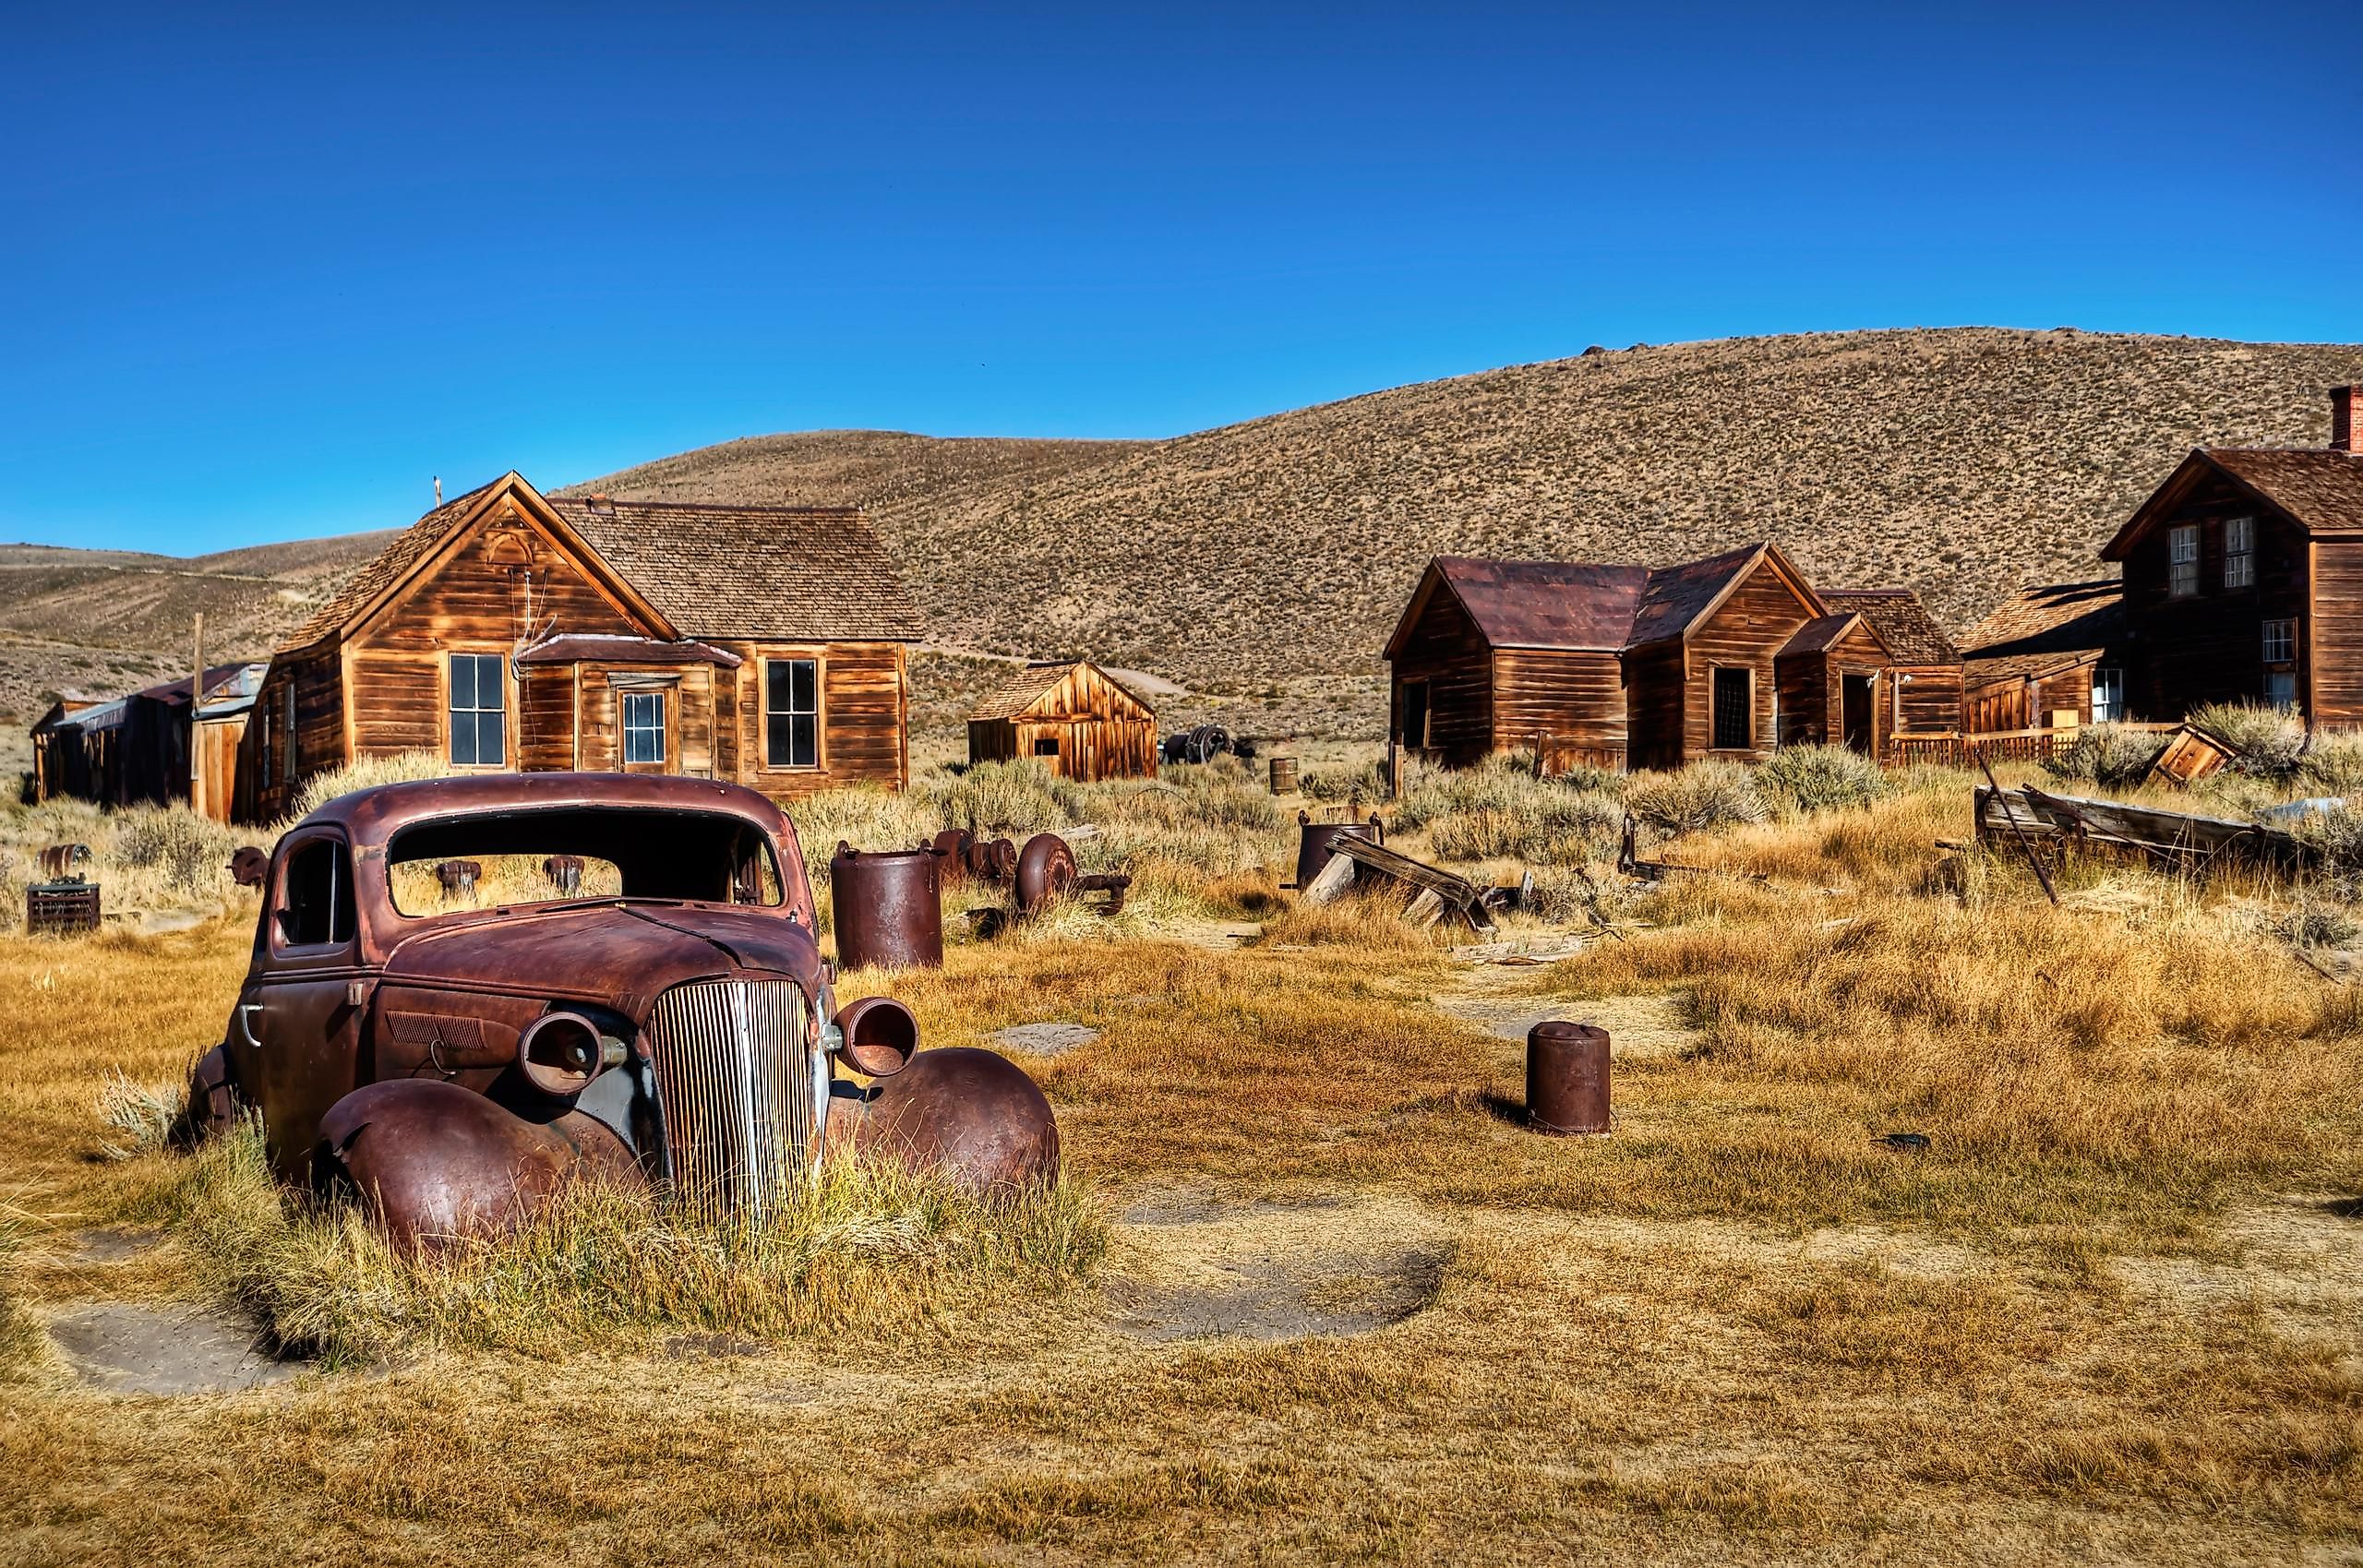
376,815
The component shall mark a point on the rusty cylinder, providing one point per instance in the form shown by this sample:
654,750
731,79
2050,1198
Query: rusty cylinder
888,907
1566,1077
1283,775
1313,840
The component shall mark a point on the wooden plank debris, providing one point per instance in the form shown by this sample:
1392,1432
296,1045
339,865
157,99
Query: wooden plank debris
1458,894
2181,837
2190,755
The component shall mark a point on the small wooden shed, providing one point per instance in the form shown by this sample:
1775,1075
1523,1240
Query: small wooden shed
1073,718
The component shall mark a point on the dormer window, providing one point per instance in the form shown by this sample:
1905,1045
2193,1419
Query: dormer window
2239,552
2182,561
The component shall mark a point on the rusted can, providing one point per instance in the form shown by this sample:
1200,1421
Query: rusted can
888,907
1313,840
1283,775
1566,1077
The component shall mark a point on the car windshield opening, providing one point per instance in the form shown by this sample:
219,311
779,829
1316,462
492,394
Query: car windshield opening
498,859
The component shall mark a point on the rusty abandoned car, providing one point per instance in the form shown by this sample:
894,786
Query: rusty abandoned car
627,983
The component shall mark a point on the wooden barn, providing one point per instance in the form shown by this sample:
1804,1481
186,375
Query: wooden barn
1073,718
1922,690
2243,579
1623,666
507,629
2048,657
134,749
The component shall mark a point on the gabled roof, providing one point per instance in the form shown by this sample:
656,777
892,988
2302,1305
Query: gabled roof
1019,690
2045,628
1821,635
1911,635
1678,596
386,568
1563,604
2319,489
801,574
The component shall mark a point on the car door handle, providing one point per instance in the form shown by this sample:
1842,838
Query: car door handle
244,1027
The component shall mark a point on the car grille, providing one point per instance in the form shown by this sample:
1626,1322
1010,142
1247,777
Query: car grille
736,1082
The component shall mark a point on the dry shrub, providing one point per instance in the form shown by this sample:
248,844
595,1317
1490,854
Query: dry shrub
1820,778
2112,756
1367,782
870,1246
1710,793
1017,799
140,1116
2333,762
1372,919
189,852
367,773
1555,826
2271,740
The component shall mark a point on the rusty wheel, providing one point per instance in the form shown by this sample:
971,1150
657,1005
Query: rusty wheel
1046,869
952,844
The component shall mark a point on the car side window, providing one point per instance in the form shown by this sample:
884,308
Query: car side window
316,895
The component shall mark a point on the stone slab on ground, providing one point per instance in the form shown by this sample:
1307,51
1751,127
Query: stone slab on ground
1046,1039
125,1347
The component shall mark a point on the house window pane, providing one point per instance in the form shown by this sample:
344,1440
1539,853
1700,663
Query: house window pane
792,712
2239,552
2108,696
2280,641
2182,560
479,709
1734,722
2281,688
644,727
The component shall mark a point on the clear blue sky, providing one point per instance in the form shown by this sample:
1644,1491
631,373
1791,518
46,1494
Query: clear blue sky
266,270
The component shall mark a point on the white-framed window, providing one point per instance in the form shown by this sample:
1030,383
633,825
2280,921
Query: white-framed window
479,710
2239,552
792,712
2281,642
2182,560
2108,696
2281,688
644,727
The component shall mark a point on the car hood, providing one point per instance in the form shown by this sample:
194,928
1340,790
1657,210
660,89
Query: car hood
619,956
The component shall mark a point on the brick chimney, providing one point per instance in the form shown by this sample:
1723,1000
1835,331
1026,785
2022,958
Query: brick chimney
2345,436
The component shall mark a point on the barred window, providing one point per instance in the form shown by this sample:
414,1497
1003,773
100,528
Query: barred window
1734,702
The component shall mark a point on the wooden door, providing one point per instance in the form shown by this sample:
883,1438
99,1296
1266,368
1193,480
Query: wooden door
1856,695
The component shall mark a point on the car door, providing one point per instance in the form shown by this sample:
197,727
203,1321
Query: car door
302,1012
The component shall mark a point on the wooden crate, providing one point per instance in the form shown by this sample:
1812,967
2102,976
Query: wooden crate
62,908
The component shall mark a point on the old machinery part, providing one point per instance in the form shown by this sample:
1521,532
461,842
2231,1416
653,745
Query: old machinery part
971,1114
993,860
561,1051
1313,841
888,906
565,873
58,859
1203,744
1566,1077
1115,884
952,843
1046,870
436,1163
249,866
877,1036
458,878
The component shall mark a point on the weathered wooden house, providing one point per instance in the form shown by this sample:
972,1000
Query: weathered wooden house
1075,718
1921,692
2048,657
508,630
136,749
2243,579
1630,667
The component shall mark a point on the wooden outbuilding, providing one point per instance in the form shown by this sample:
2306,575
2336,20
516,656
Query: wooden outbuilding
1073,718
137,749
511,630
1612,665
2049,657
1922,688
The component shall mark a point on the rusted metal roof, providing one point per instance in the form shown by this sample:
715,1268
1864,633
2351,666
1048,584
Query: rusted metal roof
1568,604
1821,635
2045,628
1900,619
1678,595
592,648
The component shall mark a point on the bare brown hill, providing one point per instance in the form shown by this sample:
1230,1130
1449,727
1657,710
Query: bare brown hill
1964,463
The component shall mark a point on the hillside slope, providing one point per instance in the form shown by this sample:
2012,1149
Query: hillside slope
1962,463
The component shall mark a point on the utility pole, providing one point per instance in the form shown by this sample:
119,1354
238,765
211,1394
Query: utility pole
196,698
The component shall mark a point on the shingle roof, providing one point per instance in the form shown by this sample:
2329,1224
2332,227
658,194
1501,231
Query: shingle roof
793,573
1679,594
1018,690
1568,604
1900,619
2044,627
388,566
2321,488
1821,636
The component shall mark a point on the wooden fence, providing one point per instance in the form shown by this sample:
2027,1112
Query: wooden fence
1951,748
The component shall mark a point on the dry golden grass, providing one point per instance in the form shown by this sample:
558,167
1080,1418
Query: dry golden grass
2104,1315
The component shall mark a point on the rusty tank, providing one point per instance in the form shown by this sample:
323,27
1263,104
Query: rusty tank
1313,839
1566,1077
454,1066
888,907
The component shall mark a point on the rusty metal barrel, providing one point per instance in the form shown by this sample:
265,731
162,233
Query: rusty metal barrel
1283,775
888,907
1566,1077
1313,839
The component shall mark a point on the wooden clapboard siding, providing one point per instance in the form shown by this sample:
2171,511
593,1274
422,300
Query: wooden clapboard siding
1655,700
507,581
2209,647
598,744
1573,696
2333,639
1928,699
692,749
396,701
865,704
1080,725
1447,652
1755,620
545,717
